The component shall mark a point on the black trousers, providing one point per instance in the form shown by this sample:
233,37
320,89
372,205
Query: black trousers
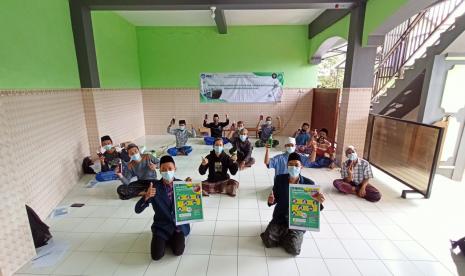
133,189
177,243
280,235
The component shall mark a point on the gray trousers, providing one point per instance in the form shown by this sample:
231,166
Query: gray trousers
280,235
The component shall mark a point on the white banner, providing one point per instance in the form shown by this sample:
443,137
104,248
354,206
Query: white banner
241,87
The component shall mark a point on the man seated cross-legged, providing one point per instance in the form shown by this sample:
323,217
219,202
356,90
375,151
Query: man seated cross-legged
242,147
182,135
356,173
216,129
218,163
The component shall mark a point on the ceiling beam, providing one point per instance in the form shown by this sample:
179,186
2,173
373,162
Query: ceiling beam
360,61
220,21
325,20
223,4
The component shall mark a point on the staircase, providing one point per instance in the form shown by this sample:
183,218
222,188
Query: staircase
396,94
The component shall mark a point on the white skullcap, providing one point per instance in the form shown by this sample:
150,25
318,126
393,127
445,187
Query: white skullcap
351,147
291,140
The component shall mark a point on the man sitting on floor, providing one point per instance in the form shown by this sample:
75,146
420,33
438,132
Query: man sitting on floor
302,136
182,135
216,129
355,175
235,131
109,155
243,149
266,131
314,136
323,154
144,167
218,163
164,230
277,232
279,162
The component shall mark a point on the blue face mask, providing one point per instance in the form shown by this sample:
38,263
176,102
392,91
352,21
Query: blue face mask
293,171
182,127
353,156
290,149
136,157
218,149
168,175
243,137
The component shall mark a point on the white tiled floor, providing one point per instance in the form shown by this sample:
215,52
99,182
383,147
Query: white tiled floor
392,237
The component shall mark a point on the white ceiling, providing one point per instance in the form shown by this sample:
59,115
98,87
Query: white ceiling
233,17
270,17
168,18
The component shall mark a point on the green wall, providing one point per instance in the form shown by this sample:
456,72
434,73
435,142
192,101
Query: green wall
172,57
37,47
116,47
377,11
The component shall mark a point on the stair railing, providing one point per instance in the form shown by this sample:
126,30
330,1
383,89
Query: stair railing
408,41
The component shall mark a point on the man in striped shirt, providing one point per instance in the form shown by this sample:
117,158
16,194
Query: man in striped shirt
182,135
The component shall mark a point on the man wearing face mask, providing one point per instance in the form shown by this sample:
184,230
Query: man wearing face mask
109,155
279,162
356,173
164,230
182,135
277,232
266,131
243,148
216,129
144,167
322,155
302,136
218,163
235,131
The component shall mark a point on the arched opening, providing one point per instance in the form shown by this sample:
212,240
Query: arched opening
330,58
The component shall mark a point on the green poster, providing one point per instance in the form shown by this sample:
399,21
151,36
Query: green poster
188,202
304,211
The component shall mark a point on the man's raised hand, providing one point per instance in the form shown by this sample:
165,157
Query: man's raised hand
151,192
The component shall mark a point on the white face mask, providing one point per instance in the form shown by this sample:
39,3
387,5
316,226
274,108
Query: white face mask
268,123
353,156
243,137
290,149
240,128
182,127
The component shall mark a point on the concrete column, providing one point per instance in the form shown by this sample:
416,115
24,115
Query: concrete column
91,120
353,120
358,81
443,77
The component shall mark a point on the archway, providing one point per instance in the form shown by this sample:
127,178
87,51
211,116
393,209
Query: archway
330,58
